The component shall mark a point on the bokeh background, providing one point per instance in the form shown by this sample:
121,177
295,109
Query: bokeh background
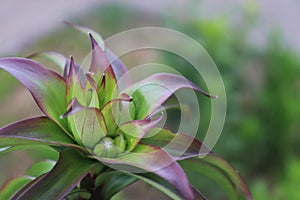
255,45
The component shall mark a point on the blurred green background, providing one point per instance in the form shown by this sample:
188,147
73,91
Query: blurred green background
261,134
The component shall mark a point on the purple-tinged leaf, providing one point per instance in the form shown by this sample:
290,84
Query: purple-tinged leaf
99,61
47,87
56,184
73,107
119,69
179,145
153,91
135,130
35,131
155,160
103,74
117,65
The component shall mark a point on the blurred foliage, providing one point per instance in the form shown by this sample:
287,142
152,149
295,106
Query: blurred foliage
261,134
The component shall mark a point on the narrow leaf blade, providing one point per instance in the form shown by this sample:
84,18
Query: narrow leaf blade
66,174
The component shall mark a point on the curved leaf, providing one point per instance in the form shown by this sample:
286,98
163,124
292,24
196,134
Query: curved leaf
10,187
153,91
47,152
219,170
135,130
78,194
117,65
158,185
66,174
35,131
87,125
179,145
40,168
155,160
110,183
47,87
227,169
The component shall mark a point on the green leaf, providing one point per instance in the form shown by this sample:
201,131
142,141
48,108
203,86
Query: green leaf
135,130
75,89
47,87
12,186
220,171
9,188
87,124
46,152
155,160
179,145
116,112
35,131
228,170
109,183
66,174
153,91
78,194
40,168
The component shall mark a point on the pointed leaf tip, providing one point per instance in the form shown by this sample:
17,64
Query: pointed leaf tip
46,86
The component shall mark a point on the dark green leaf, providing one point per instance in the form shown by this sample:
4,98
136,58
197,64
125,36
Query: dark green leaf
220,171
66,174
78,194
110,183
